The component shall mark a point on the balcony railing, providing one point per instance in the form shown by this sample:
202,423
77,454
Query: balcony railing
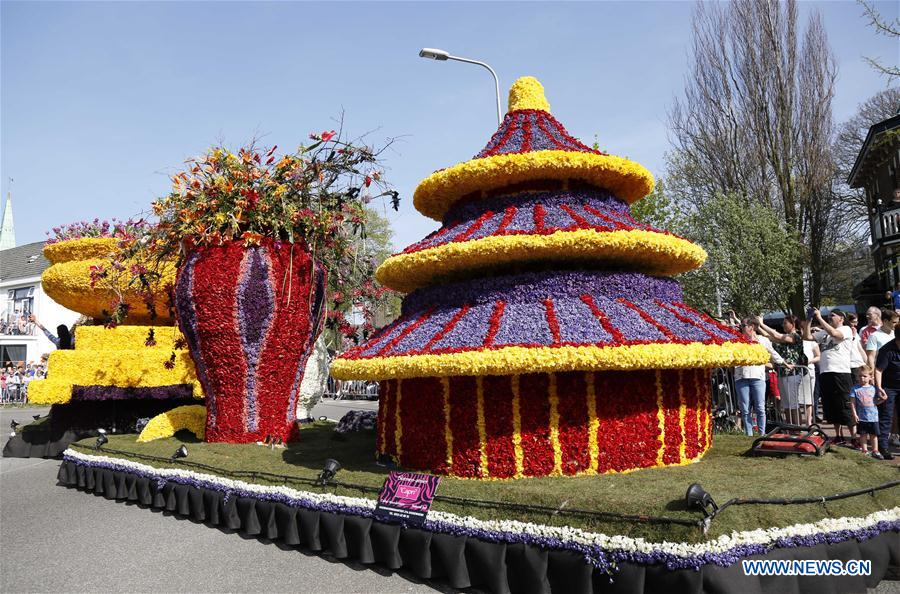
887,225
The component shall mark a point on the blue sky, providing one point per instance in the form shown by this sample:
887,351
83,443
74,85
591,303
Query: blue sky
99,102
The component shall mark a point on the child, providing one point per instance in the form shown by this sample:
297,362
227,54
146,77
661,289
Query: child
865,413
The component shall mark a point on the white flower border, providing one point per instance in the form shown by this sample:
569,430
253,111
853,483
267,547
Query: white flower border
724,543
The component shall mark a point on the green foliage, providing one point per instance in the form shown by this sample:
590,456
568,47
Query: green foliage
753,259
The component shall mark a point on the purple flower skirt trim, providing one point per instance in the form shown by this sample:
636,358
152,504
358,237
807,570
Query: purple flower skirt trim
175,391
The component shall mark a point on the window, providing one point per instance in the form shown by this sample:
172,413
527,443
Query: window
19,305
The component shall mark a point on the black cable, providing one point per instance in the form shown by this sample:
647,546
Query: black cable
805,500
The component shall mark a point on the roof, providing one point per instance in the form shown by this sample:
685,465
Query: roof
530,145
24,261
879,128
547,322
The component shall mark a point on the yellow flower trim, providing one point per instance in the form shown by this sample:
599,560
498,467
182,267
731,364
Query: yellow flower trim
124,338
115,357
86,248
191,417
682,413
482,430
448,433
661,420
593,420
398,432
516,359
655,253
554,424
626,179
528,93
517,429
68,282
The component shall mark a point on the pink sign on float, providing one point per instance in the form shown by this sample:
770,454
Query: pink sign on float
406,497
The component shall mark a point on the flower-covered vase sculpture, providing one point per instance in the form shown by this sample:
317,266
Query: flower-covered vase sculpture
263,244
542,334
251,316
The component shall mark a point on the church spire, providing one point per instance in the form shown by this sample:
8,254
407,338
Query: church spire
7,229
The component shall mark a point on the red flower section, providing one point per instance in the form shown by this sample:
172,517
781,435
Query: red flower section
463,426
571,389
498,424
702,379
628,436
422,441
671,386
220,340
691,414
387,418
626,405
534,406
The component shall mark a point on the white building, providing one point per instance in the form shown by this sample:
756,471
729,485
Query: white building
21,295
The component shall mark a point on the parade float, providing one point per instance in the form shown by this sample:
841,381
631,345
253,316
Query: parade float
116,374
545,366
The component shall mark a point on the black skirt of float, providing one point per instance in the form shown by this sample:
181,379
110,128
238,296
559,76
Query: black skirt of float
464,562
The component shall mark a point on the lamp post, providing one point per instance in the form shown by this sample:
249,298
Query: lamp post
442,56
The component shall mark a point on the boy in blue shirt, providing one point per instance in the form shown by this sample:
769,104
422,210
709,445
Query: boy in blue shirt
863,399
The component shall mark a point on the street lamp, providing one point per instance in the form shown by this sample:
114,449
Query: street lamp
442,56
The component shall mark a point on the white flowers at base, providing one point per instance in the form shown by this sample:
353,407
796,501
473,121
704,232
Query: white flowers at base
564,533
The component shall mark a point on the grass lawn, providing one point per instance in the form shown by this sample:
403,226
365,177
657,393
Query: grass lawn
725,472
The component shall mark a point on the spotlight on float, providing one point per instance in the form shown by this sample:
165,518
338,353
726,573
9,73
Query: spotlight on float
35,417
101,441
697,498
179,453
331,468
322,418
13,424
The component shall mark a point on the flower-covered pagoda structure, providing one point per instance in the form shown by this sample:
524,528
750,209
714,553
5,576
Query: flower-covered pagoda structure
542,333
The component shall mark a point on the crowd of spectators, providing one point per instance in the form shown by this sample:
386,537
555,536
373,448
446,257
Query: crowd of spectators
15,378
17,324
821,369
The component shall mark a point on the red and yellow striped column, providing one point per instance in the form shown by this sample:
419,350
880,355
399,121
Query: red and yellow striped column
546,424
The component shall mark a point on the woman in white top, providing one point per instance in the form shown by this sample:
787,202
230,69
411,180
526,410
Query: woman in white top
857,350
750,381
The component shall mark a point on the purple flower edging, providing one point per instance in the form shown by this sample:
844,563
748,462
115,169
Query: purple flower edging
595,555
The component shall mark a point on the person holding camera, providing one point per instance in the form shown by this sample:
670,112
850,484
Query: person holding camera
835,341
750,381
789,345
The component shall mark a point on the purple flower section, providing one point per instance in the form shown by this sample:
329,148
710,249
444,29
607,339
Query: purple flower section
187,321
603,559
256,310
470,331
556,218
721,333
178,391
469,210
524,323
578,324
677,327
523,220
628,322
489,227
508,119
387,334
549,136
534,287
415,341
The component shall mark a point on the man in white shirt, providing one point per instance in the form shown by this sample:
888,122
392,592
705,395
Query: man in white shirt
835,341
873,322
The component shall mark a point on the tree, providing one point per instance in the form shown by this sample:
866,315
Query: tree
882,27
755,121
752,256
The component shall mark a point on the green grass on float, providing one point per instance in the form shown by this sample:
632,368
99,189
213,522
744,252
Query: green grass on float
725,472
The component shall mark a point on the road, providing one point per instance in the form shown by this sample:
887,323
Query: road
55,539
